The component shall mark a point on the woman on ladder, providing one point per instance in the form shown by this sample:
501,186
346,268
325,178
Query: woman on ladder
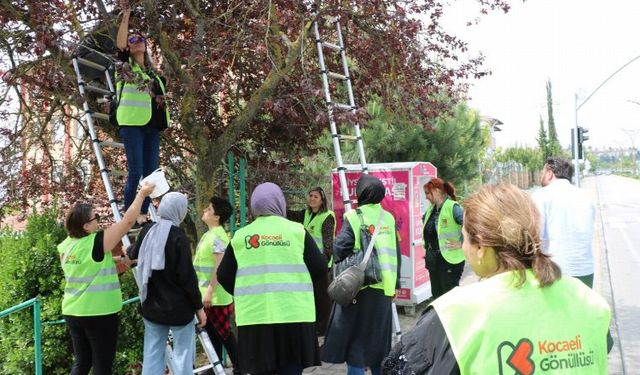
141,112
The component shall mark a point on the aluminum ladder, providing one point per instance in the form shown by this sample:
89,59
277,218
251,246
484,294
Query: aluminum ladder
207,346
108,93
332,106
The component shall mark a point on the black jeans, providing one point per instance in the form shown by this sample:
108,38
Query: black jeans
229,344
94,343
443,275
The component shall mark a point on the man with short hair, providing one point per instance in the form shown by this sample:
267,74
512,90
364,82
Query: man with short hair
568,216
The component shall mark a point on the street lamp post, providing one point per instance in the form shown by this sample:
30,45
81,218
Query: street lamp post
577,107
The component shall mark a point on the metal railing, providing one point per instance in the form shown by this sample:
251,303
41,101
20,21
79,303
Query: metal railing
37,325
37,335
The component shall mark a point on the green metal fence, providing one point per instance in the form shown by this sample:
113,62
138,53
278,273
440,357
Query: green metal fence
37,332
37,324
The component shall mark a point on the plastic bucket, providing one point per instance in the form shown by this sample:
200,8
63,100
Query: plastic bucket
157,178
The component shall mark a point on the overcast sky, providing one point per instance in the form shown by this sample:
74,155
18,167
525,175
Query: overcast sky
575,43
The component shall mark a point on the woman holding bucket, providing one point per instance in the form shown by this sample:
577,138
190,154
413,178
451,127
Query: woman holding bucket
141,112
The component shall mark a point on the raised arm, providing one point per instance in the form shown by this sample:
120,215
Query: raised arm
123,31
114,233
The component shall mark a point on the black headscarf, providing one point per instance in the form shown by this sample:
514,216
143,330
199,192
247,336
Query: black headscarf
369,190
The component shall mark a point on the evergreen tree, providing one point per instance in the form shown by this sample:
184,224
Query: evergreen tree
543,141
553,144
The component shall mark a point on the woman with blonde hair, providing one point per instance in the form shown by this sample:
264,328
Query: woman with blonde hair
521,317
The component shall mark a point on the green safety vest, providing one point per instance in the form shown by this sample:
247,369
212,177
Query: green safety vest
495,328
134,105
385,243
205,262
314,226
92,288
447,229
272,283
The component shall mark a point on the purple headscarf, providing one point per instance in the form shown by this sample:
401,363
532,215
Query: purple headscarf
267,199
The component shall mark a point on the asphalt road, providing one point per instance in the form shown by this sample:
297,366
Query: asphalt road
617,254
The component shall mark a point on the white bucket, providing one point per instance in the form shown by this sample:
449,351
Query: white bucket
157,178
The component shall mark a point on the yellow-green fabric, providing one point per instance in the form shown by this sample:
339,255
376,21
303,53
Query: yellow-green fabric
204,263
272,283
314,226
134,106
447,229
495,328
91,288
385,243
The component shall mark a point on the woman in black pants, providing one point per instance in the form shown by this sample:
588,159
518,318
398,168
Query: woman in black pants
442,234
92,297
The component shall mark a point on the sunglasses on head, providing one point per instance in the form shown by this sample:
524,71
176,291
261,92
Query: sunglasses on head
97,217
136,39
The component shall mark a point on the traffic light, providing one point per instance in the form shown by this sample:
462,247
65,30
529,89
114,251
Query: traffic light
582,136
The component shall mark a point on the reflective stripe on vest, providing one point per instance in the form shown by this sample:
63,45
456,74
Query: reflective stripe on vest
385,243
272,282
447,229
496,328
91,288
204,263
134,106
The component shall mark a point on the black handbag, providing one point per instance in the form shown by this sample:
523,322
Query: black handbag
350,277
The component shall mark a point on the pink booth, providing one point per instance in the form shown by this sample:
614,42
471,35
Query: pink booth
405,199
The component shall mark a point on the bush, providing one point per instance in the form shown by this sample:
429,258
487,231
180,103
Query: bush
30,267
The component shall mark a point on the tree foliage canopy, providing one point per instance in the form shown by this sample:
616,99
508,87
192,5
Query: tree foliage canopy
243,76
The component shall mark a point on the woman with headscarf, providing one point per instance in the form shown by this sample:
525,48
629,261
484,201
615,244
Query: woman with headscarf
320,222
360,334
169,293
270,267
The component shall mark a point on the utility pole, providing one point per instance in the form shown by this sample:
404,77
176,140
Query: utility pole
574,133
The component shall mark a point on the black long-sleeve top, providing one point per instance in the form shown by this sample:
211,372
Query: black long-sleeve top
314,260
173,296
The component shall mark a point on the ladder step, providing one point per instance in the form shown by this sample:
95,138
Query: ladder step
91,64
118,173
100,116
111,144
332,46
345,107
99,90
337,76
203,368
347,137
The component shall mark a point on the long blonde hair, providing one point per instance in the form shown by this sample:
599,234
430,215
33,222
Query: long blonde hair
505,218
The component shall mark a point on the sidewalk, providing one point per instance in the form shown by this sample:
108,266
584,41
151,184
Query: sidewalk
601,279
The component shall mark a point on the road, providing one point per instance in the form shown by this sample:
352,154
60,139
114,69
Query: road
617,254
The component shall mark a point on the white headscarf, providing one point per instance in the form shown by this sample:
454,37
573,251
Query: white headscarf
172,210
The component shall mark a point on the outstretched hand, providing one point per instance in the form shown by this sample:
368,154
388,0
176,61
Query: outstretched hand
125,6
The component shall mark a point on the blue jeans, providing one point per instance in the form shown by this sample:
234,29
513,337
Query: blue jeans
142,146
352,370
155,342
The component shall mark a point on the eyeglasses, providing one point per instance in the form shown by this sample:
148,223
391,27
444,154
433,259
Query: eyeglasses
136,39
97,218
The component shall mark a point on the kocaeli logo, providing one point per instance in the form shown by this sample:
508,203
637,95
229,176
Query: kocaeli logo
554,354
252,241
519,359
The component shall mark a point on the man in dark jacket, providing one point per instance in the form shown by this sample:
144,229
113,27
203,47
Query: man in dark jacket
168,286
